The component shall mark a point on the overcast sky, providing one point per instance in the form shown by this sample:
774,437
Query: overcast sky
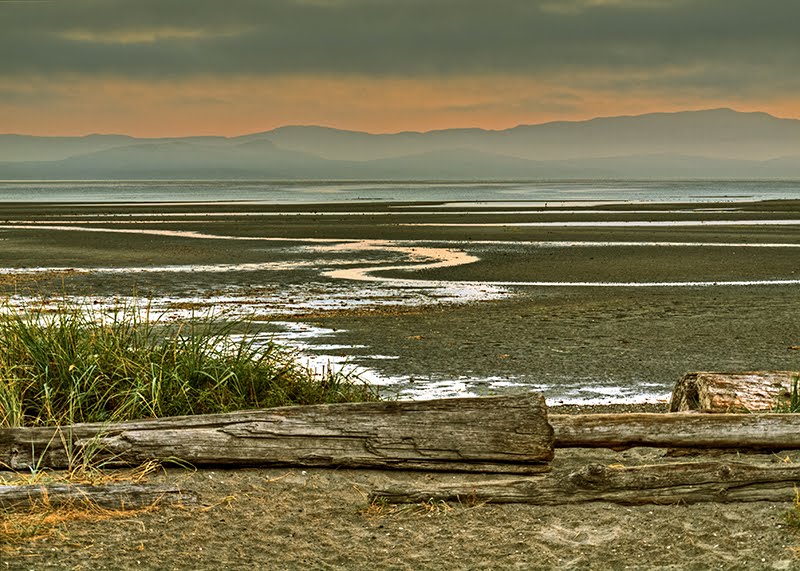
181,67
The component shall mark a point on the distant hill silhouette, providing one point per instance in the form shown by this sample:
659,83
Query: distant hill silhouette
717,143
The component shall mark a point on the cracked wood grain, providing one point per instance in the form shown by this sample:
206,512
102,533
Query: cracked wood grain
488,434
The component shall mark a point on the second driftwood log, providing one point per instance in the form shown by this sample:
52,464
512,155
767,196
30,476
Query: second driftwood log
677,430
655,484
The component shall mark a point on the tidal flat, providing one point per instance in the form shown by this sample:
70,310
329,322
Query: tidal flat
589,303
587,314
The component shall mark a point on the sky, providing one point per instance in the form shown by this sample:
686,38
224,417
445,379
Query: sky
228,67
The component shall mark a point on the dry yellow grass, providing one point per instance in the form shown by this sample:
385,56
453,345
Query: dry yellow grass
42,519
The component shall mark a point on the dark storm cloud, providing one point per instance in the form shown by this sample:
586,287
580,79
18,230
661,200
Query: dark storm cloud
707,41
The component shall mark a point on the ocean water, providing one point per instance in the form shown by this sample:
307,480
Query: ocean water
299,192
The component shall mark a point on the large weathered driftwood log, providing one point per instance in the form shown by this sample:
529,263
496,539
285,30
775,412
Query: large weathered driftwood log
111,496
762,431
490,434
732,392
656,484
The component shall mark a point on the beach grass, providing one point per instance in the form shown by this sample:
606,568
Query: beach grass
74,364
790,403
794,400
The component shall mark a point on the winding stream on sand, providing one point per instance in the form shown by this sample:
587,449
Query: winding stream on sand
417,255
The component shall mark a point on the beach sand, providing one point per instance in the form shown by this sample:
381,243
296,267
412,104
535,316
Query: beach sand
589,336
321,519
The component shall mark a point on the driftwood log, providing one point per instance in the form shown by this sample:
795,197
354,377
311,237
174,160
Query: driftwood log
490,434
762,431
655,484
732,392
111,496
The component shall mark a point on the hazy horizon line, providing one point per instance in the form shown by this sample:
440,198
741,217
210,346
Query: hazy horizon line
407,132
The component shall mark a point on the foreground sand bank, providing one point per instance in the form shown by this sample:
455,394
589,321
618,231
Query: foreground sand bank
320,519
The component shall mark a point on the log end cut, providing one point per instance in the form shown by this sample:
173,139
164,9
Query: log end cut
733,392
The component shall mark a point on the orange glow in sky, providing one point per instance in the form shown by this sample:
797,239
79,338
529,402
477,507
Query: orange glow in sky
239,105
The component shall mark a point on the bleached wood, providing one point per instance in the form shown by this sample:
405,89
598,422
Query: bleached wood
762,431
489,434
654,484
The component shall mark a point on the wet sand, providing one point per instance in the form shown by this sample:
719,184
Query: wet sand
593,337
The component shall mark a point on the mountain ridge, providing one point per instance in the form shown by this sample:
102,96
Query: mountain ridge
712,143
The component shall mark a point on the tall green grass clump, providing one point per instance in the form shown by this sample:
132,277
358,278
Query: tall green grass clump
73,365
790,403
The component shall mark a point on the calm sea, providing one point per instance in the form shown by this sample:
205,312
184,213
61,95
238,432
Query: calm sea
269,192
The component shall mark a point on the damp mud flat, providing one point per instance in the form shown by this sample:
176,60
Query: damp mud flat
589,303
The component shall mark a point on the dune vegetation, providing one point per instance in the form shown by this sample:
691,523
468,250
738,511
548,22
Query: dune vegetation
73,365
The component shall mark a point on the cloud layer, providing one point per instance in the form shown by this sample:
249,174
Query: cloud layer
704,50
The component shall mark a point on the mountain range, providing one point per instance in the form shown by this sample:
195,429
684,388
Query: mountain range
716,143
